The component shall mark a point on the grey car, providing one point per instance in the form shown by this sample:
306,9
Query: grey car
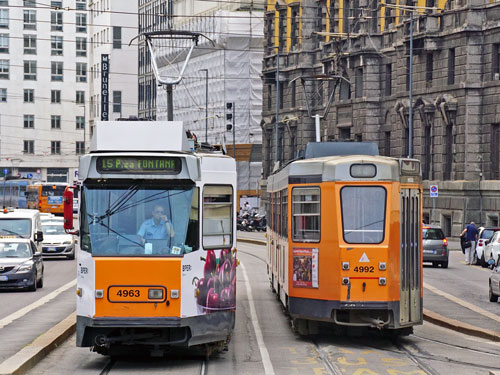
435,246
494,283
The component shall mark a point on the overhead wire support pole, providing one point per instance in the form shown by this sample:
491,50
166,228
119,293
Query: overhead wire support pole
277,102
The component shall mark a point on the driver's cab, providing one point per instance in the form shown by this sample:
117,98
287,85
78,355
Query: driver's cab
22,223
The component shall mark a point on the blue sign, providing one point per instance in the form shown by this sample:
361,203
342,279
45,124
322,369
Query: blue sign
433,191
55,200
5,171
29,175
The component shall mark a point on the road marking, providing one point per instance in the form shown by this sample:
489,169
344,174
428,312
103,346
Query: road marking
468,305
266,360
42,301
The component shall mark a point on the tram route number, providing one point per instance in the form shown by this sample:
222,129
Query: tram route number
365,269
128,293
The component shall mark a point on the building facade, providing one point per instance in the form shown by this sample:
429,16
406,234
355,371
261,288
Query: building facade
43,88
224,67
355,55
112,26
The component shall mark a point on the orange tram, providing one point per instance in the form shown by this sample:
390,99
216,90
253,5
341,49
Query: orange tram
344,238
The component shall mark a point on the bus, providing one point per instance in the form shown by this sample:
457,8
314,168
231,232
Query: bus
46,197
344,239
157,258
13,192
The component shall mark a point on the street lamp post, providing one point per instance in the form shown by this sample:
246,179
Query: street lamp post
206,103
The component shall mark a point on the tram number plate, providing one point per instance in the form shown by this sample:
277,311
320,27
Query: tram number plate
367,269
131,293
429,251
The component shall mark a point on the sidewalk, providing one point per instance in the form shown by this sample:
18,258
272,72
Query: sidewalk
439,307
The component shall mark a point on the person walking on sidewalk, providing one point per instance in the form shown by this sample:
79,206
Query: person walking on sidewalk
470,232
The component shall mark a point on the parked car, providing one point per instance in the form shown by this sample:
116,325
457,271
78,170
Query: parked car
21,264
56,242
435,246
491,251
484,235
494,283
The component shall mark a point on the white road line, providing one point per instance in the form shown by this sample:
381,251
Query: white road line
463,303
20,313
266,360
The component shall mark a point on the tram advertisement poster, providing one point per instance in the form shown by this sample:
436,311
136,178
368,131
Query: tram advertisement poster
305,267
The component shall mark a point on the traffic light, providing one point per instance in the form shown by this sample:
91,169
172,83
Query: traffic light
229,116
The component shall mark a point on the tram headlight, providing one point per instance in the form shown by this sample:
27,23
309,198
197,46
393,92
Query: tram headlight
155,293
382,281
345,281
345,266
382,266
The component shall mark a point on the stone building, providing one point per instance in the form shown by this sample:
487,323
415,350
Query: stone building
357,53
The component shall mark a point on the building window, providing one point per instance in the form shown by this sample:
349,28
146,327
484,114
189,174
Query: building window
56,4
390,20
81,46
30,44
4,18
55,96
4,69
80,97
29,95
55,122
426,165
117,37
56,69
358,75
55,147
387,143
80,122
56,21
494,150
269,97
29,147
495,68
345,90
56,44
81,23
388,79
29,19
80,147
4,3
451,66
81,72
429,67
29,3
448,159
81,5
30,70
270,32
281,94
4,43
408,73
294,94
3,95
29,121
117,101
57,174
294,25
282,29
345,133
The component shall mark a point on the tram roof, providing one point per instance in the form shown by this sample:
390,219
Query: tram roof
338,168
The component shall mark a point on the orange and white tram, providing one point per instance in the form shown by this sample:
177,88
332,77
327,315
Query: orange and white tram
157,260
344,239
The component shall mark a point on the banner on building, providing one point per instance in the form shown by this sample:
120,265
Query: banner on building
104,87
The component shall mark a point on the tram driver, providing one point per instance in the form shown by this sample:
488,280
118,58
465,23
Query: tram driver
157,227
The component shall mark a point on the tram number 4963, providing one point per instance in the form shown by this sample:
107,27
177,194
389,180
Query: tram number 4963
128,293
368,269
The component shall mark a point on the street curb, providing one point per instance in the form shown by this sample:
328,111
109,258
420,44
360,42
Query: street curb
459,326
30,355
433,317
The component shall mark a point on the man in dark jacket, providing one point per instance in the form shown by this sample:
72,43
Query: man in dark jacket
470,232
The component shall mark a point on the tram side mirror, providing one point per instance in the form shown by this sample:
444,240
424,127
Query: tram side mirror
68,211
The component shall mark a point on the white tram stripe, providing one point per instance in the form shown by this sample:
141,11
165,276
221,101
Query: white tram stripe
42,301
266,360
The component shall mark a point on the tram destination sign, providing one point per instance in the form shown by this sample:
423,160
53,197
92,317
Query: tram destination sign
138,164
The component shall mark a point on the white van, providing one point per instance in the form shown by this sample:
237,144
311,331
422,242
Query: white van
21,223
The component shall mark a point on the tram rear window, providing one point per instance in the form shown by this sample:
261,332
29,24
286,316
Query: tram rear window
363,213
306,211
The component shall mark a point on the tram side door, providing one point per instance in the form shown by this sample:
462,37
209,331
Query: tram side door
410,301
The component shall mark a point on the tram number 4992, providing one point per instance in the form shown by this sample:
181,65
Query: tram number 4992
128,293
368,269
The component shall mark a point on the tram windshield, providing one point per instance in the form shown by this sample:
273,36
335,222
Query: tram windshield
141,218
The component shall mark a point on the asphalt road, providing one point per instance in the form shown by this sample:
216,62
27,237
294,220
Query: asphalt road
264,343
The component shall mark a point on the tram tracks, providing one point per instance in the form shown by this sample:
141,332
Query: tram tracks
199,367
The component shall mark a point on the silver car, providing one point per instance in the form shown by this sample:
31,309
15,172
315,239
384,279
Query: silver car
492,249
494,283
435,246
484,235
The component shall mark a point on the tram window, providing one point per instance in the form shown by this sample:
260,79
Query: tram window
363,213
217,216
306,213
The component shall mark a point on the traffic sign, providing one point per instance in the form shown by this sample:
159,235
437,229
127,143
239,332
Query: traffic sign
5,172
433,191
29,175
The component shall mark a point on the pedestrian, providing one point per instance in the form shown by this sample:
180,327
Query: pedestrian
470,233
